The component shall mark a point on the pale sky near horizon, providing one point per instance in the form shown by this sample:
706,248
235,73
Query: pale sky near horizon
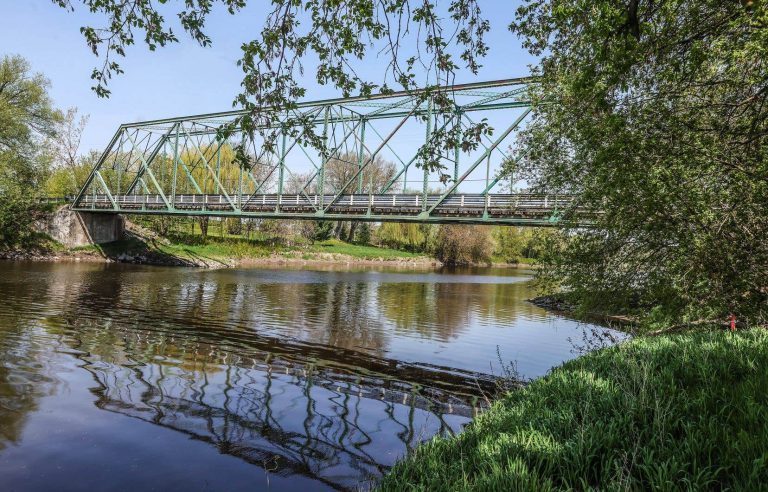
183,78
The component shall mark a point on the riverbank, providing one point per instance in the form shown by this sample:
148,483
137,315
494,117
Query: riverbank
141,247
679,410
559,303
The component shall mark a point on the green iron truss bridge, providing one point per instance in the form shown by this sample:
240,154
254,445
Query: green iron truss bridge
369,169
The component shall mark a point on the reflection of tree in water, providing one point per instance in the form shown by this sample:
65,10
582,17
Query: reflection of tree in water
25,351
332,313
22,381
442,310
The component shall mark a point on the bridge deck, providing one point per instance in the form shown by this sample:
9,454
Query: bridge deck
488,208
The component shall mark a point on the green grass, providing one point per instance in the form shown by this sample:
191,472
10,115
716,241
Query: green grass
235,247
223,249
686,411
358,251
219,249
518,261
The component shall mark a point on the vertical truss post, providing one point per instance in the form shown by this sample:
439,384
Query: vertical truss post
457,148
175,165
487,186
240,178
321,183
360,156
370,192
218,169
281,172
425,189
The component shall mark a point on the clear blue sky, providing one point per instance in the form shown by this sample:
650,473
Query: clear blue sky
182,78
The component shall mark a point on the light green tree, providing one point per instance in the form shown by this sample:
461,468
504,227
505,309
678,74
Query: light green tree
27,117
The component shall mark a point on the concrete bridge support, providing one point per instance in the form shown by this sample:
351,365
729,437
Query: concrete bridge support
75,229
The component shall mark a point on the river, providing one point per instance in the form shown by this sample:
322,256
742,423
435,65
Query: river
125,377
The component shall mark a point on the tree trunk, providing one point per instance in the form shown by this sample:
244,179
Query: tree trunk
339,230
352,228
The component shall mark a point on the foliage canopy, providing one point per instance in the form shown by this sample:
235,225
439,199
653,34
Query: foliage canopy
655,113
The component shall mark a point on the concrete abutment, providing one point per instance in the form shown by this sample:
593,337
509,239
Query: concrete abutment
75,229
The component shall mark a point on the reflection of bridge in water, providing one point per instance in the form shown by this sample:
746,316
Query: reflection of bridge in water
311,416
209,165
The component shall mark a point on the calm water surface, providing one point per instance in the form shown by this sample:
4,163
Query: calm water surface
145,378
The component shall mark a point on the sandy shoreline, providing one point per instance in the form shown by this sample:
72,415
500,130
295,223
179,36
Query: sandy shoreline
274,260
162,260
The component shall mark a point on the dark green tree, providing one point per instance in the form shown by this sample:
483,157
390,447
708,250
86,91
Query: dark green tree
363,234
323,230
654,114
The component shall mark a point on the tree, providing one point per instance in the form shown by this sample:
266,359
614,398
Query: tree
69,170
406,236
513,244
27,117
363,234
341,174
26,111
654,113
65,146
463,244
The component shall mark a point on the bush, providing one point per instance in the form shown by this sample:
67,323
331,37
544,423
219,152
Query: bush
323,230
463,244
363,233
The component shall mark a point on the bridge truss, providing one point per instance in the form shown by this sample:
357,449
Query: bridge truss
368,170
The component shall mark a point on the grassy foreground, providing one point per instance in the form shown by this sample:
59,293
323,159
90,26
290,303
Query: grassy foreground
233,247
685,411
